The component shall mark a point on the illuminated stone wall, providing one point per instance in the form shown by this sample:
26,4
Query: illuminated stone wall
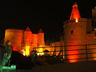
91,37
57,47
15,36
75,35
75,15
35,40
41,38
24,40
91,41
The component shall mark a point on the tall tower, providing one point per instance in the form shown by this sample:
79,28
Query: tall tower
27,40
75,15
75,31
41,38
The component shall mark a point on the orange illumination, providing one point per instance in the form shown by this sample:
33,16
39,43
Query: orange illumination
15,48
24,53
73,58
94,58
9,43
24,40
76,20
75,13
40,51
27,52
73,54
28,37
15,36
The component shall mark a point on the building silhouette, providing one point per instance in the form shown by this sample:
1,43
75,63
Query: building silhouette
77,33
24,40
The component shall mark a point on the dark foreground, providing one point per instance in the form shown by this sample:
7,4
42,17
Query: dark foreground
74,67
49,64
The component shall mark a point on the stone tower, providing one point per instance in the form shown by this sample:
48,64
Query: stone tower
41,38
75,31
75,15
27,37
27,41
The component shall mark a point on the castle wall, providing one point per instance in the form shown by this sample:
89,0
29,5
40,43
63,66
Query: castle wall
74,38
24,41
41,39
35,40
91,42
58,48
28,38
15,36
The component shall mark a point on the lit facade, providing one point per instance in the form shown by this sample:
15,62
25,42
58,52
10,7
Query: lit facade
58,48
76,33
24,41
75,15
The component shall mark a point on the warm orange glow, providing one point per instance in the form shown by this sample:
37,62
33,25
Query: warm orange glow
73,54
15,48
9,43
28,37
73,58
24,40
27,52
24,53
94,58
76,20
15,36
75,13
40,51
94,55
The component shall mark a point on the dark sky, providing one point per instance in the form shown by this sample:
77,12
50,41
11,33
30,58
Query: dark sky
49,16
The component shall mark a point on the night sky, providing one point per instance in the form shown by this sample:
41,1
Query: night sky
49,16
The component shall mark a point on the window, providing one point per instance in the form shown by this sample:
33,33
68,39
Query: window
72,31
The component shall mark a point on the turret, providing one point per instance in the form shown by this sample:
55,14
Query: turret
27,29
40,31
27,41
75,15
41,37
74,35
